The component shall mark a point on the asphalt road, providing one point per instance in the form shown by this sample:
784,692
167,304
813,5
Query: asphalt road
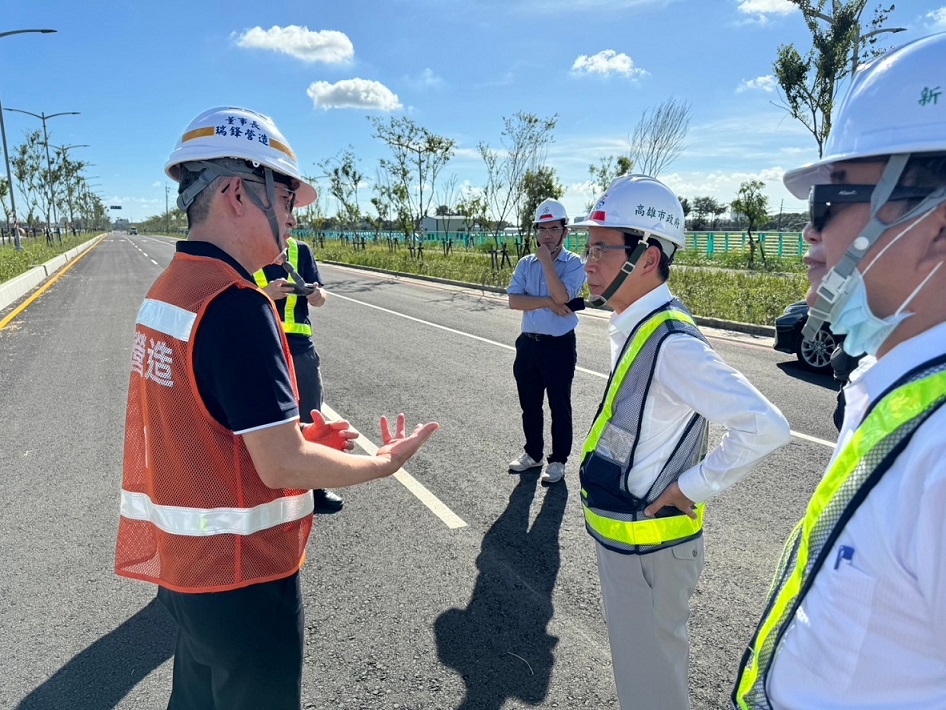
492,604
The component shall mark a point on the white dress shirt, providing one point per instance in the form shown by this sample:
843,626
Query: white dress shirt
690,377
871,632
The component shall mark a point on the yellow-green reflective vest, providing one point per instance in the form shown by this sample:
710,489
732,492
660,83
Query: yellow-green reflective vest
289,323
613,515
885,432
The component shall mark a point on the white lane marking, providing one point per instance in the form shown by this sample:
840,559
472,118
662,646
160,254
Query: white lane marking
436,506
603,376
154,262
449,330
815,439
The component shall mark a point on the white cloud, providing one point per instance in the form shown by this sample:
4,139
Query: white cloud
937,18
607,62
766,7
353,93
327,46
427,80
760,83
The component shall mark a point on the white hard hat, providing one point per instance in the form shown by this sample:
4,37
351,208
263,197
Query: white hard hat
549,211
230,132
896,104
642,203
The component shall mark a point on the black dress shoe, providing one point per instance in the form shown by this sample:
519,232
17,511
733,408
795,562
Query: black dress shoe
327,502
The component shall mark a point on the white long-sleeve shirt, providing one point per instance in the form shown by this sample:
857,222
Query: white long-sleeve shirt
871,632
690,377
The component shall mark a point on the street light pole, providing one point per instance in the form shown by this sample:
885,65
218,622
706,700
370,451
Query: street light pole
49,165
6,156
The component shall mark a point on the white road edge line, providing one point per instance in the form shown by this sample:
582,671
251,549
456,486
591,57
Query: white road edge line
799,435
436,506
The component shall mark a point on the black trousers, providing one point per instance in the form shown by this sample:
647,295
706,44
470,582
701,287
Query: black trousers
545,366
239,650
309,381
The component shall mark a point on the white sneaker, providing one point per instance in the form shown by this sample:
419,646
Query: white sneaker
524,463
553,473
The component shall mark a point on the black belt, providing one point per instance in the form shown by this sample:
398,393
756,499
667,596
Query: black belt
543,336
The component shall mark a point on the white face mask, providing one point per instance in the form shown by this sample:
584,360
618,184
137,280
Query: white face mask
852,317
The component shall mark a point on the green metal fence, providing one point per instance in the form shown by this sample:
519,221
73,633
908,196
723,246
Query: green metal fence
774,243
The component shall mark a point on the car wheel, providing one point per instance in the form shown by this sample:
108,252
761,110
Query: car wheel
815,353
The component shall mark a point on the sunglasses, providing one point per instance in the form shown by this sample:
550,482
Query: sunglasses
821,198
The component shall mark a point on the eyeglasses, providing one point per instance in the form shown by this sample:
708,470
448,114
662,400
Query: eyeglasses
550,231
821,198
593,252
289,199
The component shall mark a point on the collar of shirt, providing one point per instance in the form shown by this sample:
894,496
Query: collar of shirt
623,323
873,377
212,251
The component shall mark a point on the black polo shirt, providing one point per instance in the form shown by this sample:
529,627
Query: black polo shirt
309,271
239,364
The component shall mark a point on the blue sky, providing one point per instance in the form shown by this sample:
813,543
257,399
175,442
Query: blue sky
139,72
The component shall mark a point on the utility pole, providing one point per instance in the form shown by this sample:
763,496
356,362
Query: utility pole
167,215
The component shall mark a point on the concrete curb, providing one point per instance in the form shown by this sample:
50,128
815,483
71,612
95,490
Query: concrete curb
735,326
16,288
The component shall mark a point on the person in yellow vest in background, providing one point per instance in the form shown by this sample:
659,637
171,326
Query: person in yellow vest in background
292,304
856,614
216,502
645,473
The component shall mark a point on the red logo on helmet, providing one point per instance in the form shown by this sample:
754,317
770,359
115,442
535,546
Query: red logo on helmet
547,215
598,216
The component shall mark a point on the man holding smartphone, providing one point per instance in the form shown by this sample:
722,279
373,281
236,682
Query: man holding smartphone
546,287
292,303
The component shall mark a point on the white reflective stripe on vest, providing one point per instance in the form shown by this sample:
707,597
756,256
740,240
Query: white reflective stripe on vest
201,522
167,319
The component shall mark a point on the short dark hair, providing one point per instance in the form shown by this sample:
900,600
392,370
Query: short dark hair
633,237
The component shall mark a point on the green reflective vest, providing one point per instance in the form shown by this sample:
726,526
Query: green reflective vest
875,445
289,323
613,515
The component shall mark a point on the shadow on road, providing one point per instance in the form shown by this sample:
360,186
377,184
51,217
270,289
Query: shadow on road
101,675
793,369
499,644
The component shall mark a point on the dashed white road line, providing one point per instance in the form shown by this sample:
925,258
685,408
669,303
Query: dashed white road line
436,506
799,435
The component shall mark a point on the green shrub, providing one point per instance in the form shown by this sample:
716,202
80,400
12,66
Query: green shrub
34,252
724,293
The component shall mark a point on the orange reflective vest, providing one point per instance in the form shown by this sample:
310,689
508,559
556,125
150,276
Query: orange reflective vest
195,516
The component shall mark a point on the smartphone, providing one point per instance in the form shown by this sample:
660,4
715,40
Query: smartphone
576,304
308,290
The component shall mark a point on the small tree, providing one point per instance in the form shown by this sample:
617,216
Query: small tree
702,207
344,178
660,136
418,156
685,204
605,171
810,84
525,138
753,204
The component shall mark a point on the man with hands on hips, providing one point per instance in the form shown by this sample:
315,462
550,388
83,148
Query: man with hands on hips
645,472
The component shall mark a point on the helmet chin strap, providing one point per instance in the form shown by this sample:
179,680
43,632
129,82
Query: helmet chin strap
625,271
270,211
211,171
834,286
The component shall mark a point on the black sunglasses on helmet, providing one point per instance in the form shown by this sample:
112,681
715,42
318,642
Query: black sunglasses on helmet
822,197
